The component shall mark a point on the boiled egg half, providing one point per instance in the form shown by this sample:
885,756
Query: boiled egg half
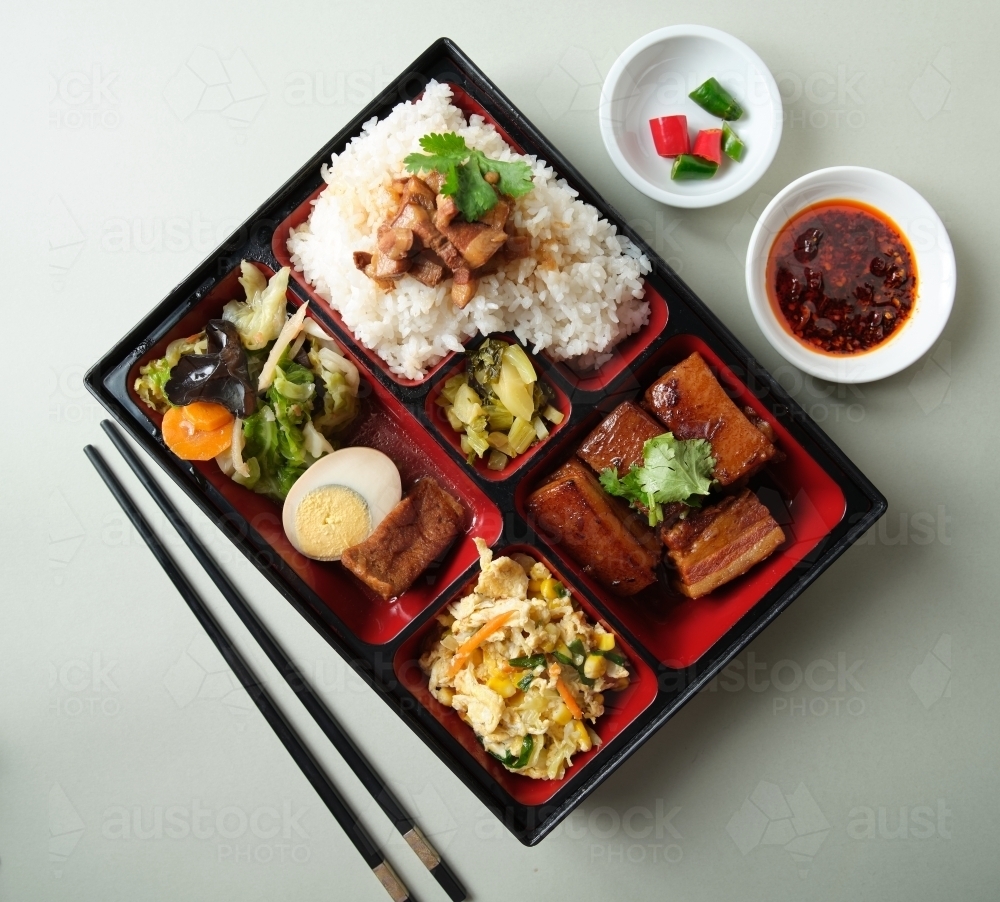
339,500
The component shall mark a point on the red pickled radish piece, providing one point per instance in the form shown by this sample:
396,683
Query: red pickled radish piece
708,145
670,135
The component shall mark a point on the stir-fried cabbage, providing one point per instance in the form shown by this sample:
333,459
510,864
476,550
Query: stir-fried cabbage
260,317
340,381
154,376
306,388
292,411
149,386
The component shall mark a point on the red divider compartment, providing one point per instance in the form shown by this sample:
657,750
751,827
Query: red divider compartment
804,499
383,424
621,708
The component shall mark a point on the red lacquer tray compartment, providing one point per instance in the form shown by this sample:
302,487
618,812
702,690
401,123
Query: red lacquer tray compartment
622,356
436,416
803,498
383,424
621,708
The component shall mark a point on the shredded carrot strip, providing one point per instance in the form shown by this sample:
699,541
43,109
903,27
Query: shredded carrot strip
567,697
477,639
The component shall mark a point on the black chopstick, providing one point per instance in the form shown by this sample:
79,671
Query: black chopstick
319,712
272,714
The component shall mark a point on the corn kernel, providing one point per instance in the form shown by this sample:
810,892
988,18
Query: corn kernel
535,588
583,736
552,589
501,685
605,641
445,696
563,715
594,667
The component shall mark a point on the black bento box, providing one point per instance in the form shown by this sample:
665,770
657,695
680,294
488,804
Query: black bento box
676,645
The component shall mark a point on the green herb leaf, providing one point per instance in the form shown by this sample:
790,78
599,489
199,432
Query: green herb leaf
464,169
475,196
672,471
530,662
447,144
515,176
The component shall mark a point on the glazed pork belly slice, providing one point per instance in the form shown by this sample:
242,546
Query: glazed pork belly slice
718,543
609,541
689,401
618,441
416,532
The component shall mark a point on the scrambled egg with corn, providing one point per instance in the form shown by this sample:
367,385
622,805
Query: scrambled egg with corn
523,667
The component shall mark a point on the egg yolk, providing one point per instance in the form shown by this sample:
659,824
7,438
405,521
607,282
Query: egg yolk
330,519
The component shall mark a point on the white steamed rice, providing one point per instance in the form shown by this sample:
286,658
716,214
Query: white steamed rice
577,294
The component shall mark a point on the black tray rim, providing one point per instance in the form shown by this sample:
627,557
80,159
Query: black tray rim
374,663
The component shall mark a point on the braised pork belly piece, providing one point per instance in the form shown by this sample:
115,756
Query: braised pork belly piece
618,441
689,401
428,238
416,532
609,541
617,444
718,543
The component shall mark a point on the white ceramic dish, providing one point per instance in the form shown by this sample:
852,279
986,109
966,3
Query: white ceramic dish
653,78
935,261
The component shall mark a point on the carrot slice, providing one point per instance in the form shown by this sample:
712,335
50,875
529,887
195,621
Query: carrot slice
466,649
567,697
188,442
207,416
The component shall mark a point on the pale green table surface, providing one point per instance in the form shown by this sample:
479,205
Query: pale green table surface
850,753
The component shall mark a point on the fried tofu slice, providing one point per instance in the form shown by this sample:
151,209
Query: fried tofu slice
618,441
609,541
718,543
416,532
689,401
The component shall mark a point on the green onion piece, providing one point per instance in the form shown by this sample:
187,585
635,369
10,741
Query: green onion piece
525,682
529,663
507,760
527,746
523,756
715,99
612,656
563,659
732,146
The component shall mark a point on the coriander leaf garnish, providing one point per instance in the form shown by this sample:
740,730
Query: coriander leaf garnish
447,144
515,177
464,169
474,196
671,471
